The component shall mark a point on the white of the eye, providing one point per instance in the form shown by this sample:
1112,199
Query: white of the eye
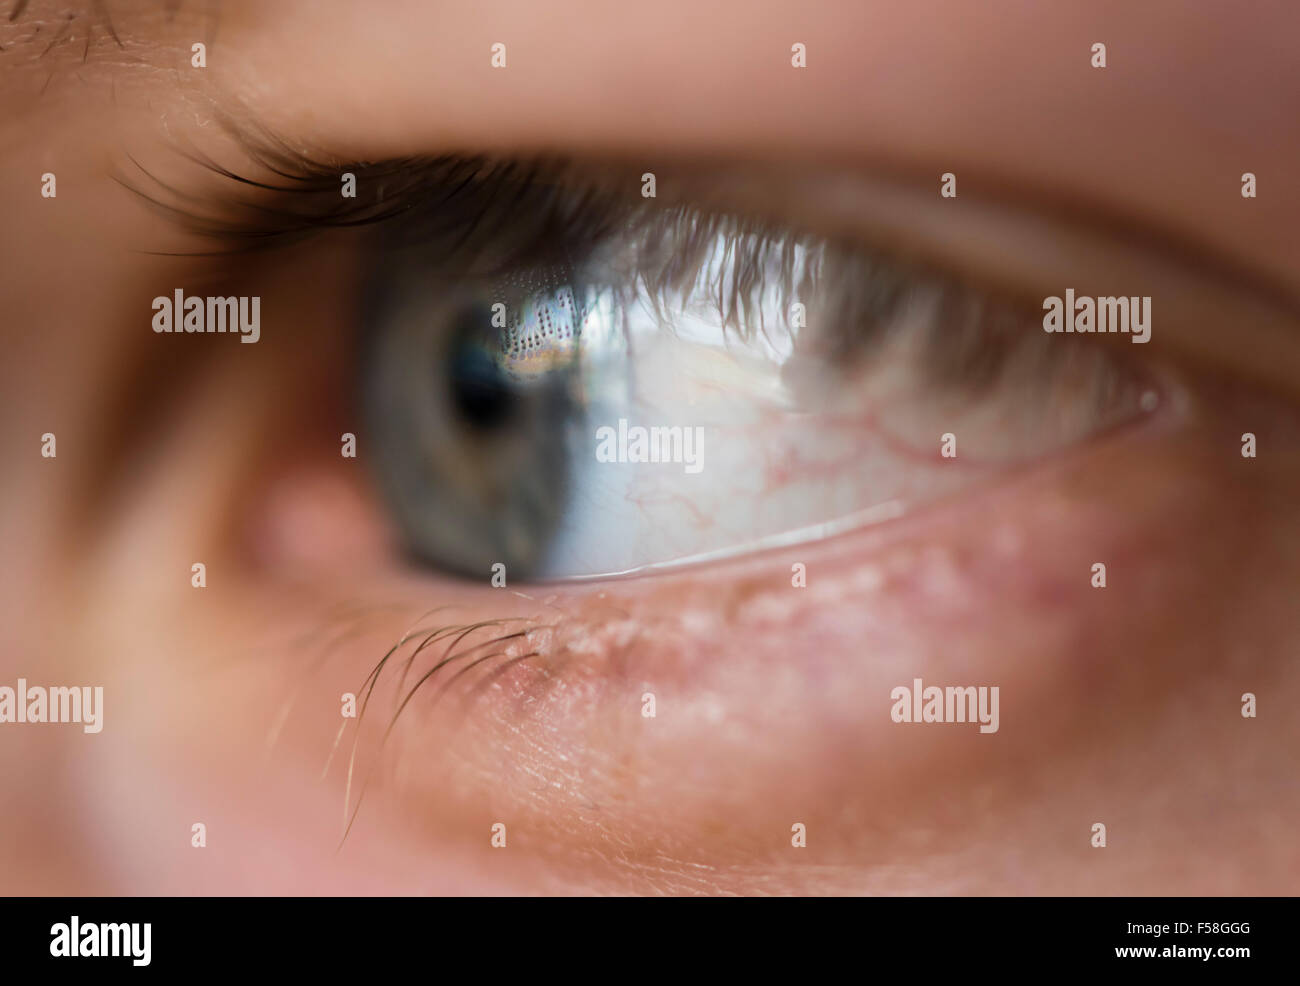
889,510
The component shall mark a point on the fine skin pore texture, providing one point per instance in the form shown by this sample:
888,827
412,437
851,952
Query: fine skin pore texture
222,705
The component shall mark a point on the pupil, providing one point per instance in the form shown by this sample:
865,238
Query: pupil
480,389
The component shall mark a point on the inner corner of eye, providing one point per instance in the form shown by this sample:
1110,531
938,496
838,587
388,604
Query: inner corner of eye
718,395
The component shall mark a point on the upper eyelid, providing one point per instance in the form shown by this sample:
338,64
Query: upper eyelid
140,27
1213,310
304,196
1087,218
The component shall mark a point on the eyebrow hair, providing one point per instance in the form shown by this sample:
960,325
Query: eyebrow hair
89,18
90,13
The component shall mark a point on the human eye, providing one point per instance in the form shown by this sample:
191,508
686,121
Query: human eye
561,379
692,386
531,503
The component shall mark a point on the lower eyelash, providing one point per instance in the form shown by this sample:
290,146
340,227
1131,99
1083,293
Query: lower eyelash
464,646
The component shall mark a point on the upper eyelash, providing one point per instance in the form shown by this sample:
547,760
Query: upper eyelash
263,213
287,195
455,206
547,209
452,207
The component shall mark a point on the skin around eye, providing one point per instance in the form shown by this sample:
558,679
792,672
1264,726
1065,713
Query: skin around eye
749,733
